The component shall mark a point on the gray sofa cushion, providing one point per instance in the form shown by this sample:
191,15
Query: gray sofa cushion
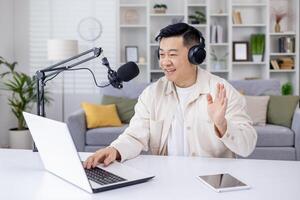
257,87
103,136
274,136
130,90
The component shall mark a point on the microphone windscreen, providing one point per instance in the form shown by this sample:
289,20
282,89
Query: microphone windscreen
128,71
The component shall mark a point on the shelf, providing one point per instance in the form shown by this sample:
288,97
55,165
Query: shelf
140,64
157,71
248,25
133,6
198,25
196,5
249,5
248,63
282,34
154,44
282,54
166,15
219,15
132,26
282,70
219,44
219,71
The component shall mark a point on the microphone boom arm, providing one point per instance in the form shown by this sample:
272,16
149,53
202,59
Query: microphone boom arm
41,75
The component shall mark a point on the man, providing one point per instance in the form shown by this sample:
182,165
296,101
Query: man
188,112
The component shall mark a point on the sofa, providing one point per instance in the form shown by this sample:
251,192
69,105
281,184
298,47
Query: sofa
274,142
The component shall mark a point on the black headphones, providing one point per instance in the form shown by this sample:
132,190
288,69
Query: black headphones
197,53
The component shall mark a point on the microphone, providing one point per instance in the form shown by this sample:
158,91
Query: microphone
125,73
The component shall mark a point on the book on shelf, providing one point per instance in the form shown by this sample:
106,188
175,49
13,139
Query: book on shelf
219,34
286,44
286,62
213,38
274,64
216,34
236,17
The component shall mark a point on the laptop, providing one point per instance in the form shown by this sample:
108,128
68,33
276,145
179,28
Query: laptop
59,156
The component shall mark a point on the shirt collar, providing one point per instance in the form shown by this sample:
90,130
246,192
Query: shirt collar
202,84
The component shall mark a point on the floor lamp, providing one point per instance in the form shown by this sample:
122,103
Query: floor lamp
58,50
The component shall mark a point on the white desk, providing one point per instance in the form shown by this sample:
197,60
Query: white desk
22,177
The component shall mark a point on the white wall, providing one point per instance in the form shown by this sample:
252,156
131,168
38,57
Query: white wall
6,51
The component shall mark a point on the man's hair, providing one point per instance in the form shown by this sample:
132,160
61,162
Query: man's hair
190,35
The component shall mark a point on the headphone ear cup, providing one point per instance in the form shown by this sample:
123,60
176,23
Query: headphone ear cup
197,54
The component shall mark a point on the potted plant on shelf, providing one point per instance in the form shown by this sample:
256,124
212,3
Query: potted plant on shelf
160,8
198,18
287,89
22,90
257,45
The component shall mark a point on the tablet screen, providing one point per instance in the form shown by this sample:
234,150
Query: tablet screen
219,181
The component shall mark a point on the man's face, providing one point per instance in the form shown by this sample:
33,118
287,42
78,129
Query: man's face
174,60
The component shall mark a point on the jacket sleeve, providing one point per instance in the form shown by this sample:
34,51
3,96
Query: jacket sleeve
240,136
136,137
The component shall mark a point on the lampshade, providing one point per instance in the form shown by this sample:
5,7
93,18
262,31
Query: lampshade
59,49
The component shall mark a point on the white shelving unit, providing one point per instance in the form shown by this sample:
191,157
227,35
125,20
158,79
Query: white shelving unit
256,18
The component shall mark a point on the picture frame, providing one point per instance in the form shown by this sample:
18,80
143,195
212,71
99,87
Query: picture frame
131,53
240,51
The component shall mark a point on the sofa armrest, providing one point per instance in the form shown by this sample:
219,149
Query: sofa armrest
296,129
77,125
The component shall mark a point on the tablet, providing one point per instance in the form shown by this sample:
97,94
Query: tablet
223,182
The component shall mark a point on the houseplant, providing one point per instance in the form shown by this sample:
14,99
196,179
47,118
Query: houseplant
22,89
257,45
160,8
198,18
287,89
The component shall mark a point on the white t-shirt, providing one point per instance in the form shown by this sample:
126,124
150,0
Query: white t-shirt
177,140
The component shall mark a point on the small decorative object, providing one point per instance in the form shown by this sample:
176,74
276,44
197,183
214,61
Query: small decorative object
257,45
218,62
160,8
287,89
198,18
131,53
279,14
131,16
240,51
220,11
142,60
89,29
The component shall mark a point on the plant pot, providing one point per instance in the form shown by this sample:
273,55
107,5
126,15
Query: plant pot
195,22
160,10
218,65
20,139
257,58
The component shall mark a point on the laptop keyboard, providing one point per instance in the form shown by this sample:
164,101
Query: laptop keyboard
102,176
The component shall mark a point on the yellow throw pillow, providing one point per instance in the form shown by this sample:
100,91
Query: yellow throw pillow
101,115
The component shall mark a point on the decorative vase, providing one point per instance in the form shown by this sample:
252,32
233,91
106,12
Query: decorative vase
257,58
277,28
20,139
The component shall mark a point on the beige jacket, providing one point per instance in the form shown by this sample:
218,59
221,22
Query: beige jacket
154,112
